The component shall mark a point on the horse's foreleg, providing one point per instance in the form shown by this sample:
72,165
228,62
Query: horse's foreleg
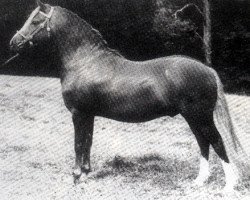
83,140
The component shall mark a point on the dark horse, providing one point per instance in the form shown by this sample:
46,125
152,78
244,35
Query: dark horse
98,81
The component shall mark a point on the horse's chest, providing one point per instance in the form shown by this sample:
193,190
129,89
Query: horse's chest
77,94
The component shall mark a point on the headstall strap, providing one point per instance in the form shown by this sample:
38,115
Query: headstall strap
19,32
48,16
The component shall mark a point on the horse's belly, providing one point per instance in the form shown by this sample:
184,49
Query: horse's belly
137,107
133,117
141,114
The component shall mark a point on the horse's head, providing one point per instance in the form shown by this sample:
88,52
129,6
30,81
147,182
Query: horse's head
35,30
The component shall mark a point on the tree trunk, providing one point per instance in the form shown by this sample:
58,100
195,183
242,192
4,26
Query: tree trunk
207,33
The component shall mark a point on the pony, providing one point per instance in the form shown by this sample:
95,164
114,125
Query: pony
98,81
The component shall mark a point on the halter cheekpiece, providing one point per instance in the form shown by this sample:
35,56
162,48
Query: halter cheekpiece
29,37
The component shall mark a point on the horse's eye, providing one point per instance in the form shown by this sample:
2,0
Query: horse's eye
35,22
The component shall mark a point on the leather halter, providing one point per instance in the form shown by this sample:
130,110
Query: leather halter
29,37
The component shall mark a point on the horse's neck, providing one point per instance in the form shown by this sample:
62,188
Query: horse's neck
75,40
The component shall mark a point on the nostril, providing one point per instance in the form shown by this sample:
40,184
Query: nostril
13,46
13,42
15,39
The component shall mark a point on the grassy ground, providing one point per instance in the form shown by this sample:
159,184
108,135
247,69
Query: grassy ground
154,160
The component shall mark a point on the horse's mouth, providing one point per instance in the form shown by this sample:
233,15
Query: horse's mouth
15,48
19,48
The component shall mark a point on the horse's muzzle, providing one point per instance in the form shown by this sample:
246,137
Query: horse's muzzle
17,44
16,48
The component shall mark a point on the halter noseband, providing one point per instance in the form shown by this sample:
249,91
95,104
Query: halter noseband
29,37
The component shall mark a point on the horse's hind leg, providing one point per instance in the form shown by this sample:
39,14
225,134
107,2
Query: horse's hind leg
83,140
203,125
204,149
216,141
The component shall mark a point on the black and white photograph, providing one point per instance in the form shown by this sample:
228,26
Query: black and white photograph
124,99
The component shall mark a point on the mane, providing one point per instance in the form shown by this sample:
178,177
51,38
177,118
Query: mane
93,33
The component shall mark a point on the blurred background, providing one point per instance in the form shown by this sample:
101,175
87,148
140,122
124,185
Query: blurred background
146,29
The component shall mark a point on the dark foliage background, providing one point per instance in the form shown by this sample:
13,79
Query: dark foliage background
231,42
144,29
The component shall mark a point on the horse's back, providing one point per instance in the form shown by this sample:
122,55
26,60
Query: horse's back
182,73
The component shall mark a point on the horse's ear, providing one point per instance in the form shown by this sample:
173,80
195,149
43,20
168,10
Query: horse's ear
41,5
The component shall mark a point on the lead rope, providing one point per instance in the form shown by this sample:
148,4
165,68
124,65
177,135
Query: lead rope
10,59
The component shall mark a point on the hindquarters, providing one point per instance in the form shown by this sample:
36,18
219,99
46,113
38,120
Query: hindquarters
197,91
195,87
198,108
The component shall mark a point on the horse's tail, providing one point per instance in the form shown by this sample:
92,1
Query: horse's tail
223,121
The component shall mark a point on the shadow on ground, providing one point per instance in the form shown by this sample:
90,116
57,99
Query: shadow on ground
164,172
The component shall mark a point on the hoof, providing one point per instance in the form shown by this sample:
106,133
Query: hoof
200,181
76,180
197,183
83,178
77,174
231,184
228,189
80,174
